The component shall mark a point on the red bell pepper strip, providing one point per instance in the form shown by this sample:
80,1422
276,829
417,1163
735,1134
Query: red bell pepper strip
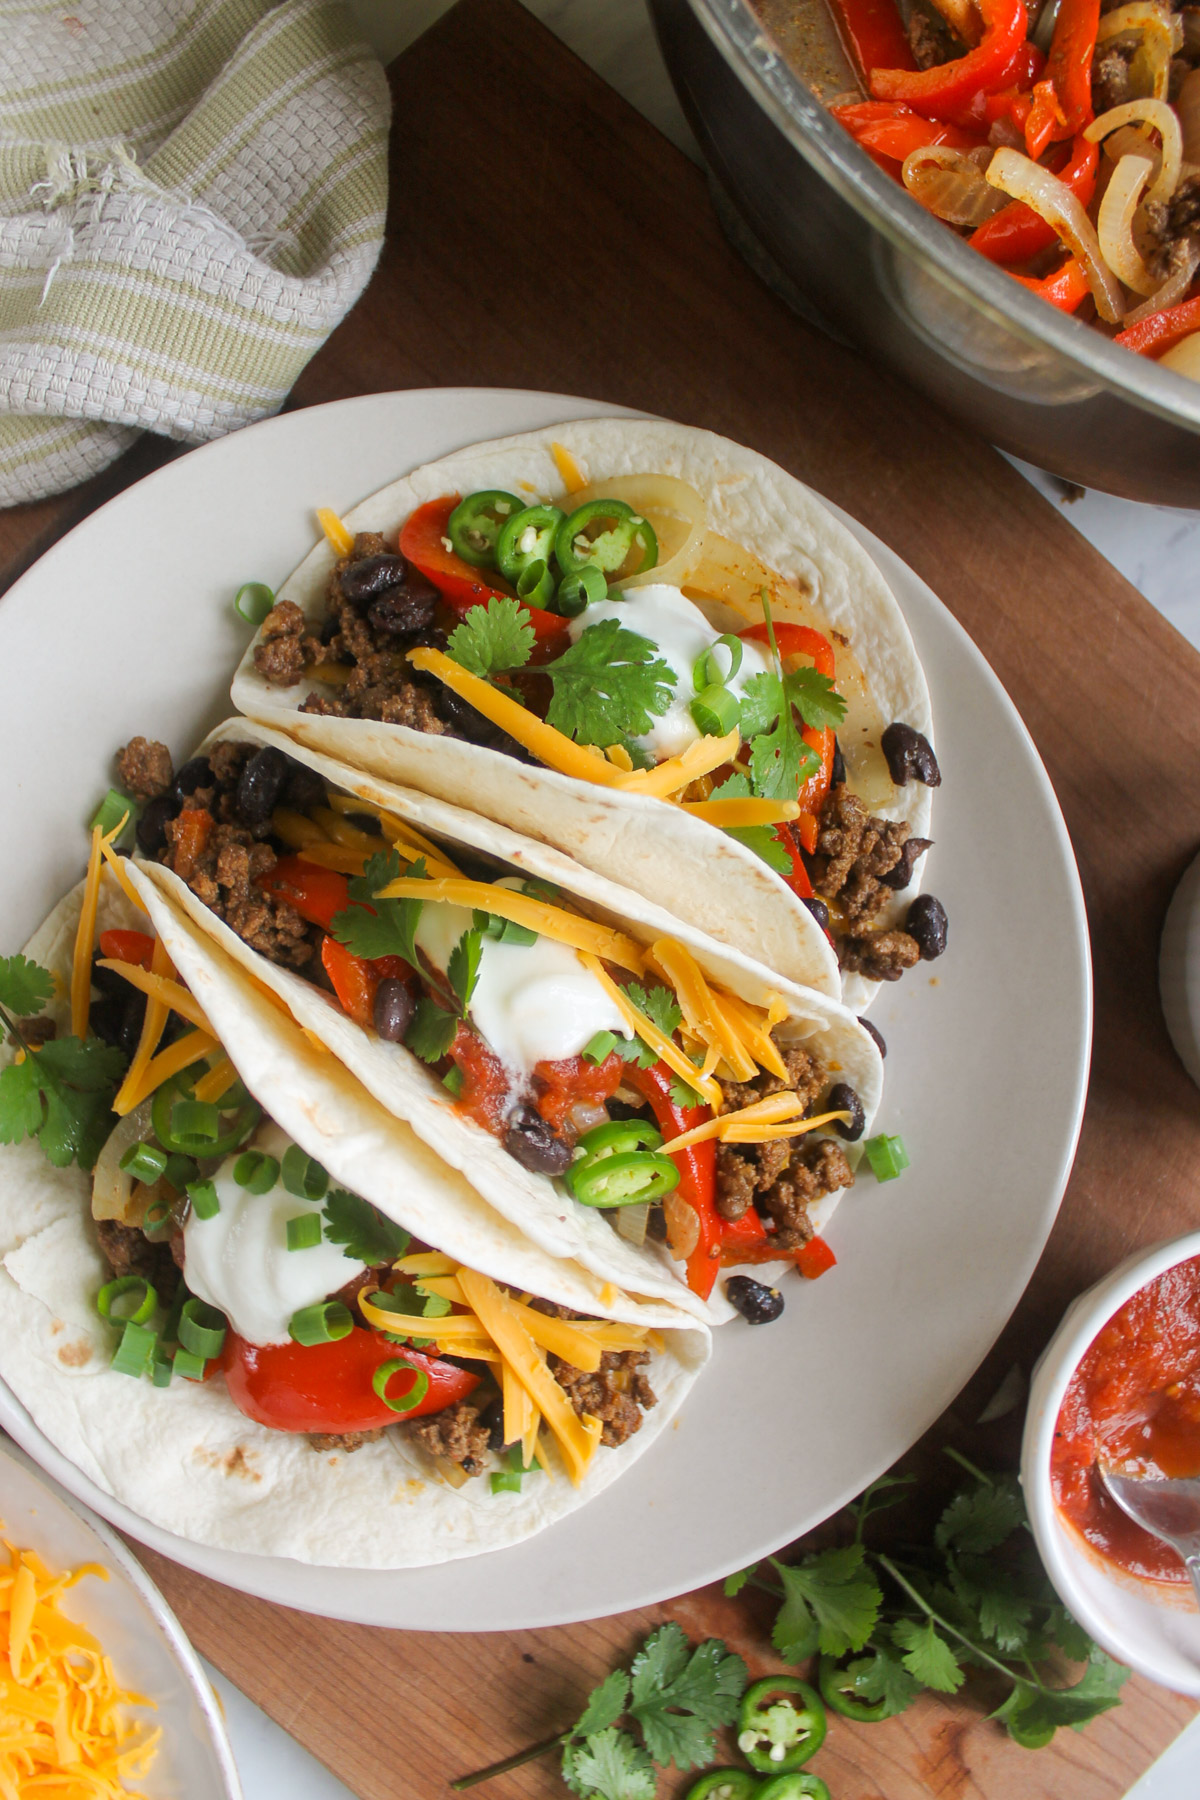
316,894
1069,64
803,640
888,129
1046,122
813,1258
1016,233
356,981
1009,97
873,34
1162,330
328,1387
423,542
1066,289
486,1084
189,834
127,946
944,92
798,880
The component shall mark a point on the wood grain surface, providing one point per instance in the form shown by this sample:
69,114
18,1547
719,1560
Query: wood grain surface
542,235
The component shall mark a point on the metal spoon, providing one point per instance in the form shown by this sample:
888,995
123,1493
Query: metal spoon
1167,1507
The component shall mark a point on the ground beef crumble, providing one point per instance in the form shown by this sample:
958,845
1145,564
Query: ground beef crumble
854,851
455,1434
128,1251
1172,225
346,1441
144,768
879,955
782,1177
617,1394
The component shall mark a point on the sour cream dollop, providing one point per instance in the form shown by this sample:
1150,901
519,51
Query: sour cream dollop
532,1002
681,634
239,1260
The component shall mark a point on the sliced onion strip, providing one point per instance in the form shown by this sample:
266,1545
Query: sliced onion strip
950,184
112,1186
1162,35
1165,120
1184,357
674,508
1173,289
1114,225
1052,200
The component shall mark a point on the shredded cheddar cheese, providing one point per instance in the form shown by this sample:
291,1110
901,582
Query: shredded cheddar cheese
742,812
573,477
296,831
524,909
65,1729
778,1116
85,937
158,987
664,1047
700,1007
217,1082
404,837
334,856
700,758
177,1056
341,540
116,866
153,1025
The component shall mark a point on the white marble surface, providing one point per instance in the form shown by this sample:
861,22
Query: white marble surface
1156,548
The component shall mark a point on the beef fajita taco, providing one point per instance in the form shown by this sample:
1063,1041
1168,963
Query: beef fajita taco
624,1091
651,648
253,1305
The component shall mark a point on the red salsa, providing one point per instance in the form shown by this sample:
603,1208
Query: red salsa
1136,1394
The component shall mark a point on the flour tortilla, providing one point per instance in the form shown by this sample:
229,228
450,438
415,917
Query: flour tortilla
184,1458
538,1208
696,872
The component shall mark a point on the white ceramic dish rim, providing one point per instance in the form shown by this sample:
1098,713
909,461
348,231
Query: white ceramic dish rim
125,1569
1064,1561
474,1595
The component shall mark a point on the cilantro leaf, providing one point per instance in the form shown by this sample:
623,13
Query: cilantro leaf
981,1518
609,1766
1003,1613
1070,1636
366,1234
608,686
683,1095
633,1050
62,1095
734,1584
25,986
431,1032
658,1004
492,638
462,970
371,927
779,758
882,1676
759,838
605,1704
831,1602
679,1700
814,698
927,1656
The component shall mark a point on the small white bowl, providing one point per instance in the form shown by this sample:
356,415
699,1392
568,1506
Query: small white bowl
1155,1630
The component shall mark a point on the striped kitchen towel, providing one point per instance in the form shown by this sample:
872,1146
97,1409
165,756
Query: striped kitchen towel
192,196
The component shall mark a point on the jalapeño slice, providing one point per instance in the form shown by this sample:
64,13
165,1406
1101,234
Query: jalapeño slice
606,535
476,523
187,1127
526,538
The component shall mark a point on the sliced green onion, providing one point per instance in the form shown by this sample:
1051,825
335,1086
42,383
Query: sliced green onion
135,1350
145,1162
535,585
170,1331
326,1323
454,1081
202,1328
504,931
181,1171
886,1155
205,1201
253,601
413,1394
508,1480
189,1365
196,1123
579,591
599,1048
716,711
707,670
304,1231
256,1172
114,807
162,1367
303,1174
141,1309
158,1220
171,1119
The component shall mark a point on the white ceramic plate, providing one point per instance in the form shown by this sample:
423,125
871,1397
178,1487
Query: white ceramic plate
125,626
136,1627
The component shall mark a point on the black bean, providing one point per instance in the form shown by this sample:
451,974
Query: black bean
531,1142
757,1303
152,826
117,1018
107,981
901,876
842,1098
304,788
873,1031
371,575
194,774
837,772
927,922
403,610
492,1419
260,785
819,911
909,755
393,1009
364,822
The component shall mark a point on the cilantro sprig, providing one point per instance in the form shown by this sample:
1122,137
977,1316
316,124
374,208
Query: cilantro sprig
674,1695
780,760
59,1092
607,686
759,838
370,927
365,1233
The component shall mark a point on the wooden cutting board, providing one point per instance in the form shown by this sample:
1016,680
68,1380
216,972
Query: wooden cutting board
542,235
